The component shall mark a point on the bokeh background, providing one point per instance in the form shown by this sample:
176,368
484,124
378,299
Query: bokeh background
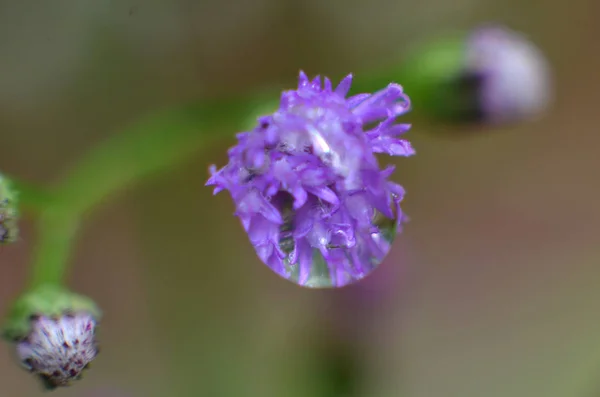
492,290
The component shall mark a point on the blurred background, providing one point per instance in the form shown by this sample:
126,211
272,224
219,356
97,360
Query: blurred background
492,290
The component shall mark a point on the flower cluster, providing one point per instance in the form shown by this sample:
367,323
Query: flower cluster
308,187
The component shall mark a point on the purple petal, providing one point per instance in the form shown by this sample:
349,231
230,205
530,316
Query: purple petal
316,83
327,87
324,193
344,86
302,80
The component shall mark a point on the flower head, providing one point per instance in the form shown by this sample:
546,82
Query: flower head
59,348
308,187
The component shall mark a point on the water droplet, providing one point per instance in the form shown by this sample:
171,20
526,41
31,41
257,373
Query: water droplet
351,264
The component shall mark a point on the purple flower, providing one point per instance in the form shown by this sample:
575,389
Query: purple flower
307,186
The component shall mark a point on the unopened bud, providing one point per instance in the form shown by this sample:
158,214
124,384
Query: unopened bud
54,334
490,75
59,348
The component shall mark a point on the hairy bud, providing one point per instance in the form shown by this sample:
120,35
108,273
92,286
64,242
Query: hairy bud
58,349
53,331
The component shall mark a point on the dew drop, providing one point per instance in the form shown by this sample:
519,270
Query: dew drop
350,264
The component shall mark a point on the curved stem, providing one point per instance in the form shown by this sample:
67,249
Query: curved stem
145,148
30,196
56,233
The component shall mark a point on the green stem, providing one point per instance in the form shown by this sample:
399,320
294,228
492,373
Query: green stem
30,196
56,233
153,145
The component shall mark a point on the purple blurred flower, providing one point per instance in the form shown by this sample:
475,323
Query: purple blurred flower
488,75
514,76
307,185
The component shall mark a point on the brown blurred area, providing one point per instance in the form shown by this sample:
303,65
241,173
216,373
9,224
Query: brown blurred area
495,281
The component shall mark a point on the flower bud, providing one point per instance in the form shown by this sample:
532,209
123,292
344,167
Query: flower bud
59,348
9,230
54,334
490,75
